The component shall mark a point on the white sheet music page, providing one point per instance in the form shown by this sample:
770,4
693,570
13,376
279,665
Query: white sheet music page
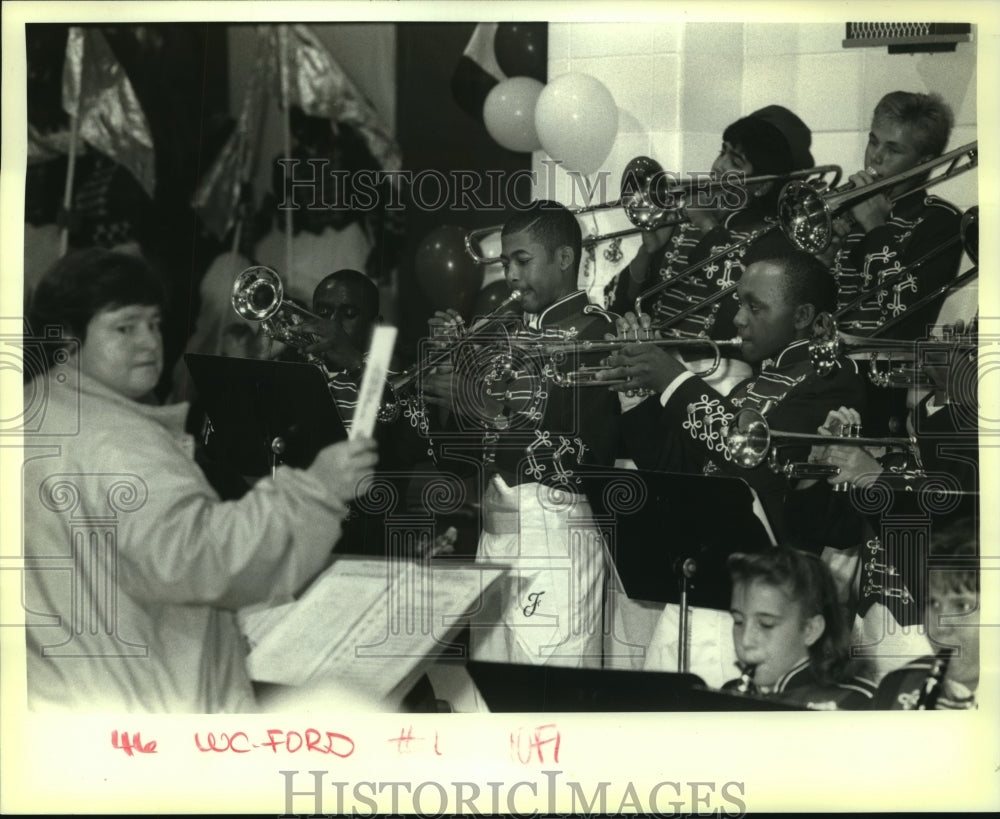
365,624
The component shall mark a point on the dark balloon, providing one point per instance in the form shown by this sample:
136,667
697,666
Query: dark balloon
489,298
446,273
522,49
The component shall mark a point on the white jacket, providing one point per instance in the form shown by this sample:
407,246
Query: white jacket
134,567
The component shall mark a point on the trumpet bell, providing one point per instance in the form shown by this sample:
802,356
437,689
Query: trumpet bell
257,293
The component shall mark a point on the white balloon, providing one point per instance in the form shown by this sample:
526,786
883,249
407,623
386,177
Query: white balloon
576,119
509,113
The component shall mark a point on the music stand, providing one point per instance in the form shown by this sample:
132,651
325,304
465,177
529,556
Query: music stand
265,412
516,688
657,522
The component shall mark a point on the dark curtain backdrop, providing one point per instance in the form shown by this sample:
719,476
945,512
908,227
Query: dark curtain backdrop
434,132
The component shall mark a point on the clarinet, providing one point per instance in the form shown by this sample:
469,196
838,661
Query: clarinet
934,682
746,684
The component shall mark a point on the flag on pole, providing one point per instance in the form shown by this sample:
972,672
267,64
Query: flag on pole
96,90
217,197
321,88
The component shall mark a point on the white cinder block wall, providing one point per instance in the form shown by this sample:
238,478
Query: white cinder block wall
678,85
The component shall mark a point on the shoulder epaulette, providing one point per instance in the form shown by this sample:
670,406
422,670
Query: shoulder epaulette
932,201
860,685
597,310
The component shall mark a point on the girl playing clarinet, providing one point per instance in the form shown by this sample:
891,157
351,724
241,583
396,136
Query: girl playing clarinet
788,632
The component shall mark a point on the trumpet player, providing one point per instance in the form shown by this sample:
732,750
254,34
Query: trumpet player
943,421
680,427
347,306
536,434
770,141
892,229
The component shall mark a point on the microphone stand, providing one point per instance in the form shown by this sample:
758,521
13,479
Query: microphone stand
688,570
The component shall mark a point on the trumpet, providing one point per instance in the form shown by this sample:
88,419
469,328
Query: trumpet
806,215
651,199
750,441
907,354
586,376
258,295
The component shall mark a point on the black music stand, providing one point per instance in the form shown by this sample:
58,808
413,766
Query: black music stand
515,688
656,523
265,412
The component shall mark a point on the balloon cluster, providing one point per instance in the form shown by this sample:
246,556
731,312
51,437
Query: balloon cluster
573,118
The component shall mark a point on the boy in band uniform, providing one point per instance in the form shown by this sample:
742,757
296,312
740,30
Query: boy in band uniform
535,517
889,231
772,140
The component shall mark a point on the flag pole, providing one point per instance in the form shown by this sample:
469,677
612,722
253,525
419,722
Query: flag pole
74,136
74,132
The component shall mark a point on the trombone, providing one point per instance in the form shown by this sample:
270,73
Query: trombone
806,215
969,236
636,185
652,199
750,441
802,178
400,382
969,231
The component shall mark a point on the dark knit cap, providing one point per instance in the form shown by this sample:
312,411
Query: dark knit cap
796,133
773,139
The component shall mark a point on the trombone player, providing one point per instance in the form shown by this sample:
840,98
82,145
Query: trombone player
892,229
770,141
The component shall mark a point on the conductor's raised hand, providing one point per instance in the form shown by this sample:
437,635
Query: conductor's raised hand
344,465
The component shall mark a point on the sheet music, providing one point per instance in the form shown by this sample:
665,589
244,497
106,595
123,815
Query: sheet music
365,624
